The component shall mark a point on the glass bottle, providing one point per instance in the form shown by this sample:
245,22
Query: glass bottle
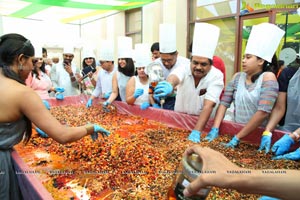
188,170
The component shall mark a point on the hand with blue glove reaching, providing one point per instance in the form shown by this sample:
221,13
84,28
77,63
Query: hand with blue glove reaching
94,129
58,94
145,105
106,95
195,136
213,133
138,92
41,133
104,106
89,103
295,155
46,103
265,143
233,142
267,198
282,145
162,90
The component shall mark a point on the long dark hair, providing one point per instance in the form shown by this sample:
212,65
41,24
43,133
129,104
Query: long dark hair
85,65
11,46
42,68
267,67
129,69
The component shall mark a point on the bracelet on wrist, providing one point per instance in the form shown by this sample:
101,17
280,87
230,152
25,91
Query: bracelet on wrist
267,133
89,129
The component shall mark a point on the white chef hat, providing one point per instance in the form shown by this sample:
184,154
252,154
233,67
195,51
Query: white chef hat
38,51
68,49
106,50
125,47
205,40
88,53
142,55
264,40
167,38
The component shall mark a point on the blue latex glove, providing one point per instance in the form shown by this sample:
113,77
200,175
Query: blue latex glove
295,155
89,103
59,96
156,105
105,104
162,90
282,145
99,129
138,92
265,143
213,133
194,136
46,103
41,133
233,142
107,95
59,89
267,198
145,105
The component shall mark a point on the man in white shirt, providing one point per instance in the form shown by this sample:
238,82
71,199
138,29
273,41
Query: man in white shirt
200,85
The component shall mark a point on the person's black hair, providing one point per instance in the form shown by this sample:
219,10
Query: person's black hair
11,46
44,50
155,47
267,67
129,69
280,63
85,65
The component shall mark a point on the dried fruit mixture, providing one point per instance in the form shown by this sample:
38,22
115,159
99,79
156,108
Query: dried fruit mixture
137,161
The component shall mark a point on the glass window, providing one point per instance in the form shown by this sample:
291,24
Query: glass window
134,25
212,8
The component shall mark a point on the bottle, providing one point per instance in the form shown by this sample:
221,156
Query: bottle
188,170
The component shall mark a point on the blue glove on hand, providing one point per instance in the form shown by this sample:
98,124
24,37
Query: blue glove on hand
106,95
59,89
267,198
156,105
289,156
233,142
99,129
41,133
265,143
89,103
59,96
46,103
282,145
194,136
162,90
104,107
145,105
138,92
213,133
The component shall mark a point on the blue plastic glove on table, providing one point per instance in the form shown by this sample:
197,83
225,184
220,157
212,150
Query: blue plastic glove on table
107,95
233,142
265,143
59,89
267,198
138,92
162,90
295,155
59,96
195,136
213,133
156,105
282,145
46,103
145,105
89,103
41,133
99,129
